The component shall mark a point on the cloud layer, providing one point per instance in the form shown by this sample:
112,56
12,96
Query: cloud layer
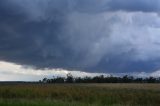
87,35
13,72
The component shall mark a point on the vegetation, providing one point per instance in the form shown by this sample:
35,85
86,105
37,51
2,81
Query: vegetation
40,94
86,91
101,79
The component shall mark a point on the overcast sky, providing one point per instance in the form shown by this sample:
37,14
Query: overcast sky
100,36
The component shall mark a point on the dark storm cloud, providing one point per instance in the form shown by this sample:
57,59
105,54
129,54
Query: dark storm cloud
116,5
135,5
77,35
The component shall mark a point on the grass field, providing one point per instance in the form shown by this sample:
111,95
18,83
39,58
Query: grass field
80,95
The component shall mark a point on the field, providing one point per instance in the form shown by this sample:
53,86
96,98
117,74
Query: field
80,95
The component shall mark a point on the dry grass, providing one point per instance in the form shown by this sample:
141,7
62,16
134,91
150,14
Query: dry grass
83,94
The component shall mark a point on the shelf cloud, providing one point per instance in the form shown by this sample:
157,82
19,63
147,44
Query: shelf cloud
86,35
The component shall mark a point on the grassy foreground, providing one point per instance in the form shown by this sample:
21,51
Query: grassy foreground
80,95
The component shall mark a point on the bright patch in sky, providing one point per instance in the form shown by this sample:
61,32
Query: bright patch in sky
14,72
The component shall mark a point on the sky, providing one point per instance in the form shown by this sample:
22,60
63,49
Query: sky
42,38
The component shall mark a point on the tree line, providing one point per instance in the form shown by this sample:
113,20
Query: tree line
100,79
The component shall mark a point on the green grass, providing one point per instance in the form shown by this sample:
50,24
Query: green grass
39,102
80,95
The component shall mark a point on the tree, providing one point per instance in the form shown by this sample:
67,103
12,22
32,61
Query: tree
59,80
44,80
70,78
151,80
125,79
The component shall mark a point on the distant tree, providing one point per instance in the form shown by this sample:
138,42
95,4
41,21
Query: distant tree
125,79
158,80
138,80
44,80
59,80
49,80
69,78
79,80
101,79
151,80
39,81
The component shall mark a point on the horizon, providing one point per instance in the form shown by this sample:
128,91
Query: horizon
14,72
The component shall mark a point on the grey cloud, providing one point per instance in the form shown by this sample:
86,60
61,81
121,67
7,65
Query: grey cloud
88,35
135,5
44,9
